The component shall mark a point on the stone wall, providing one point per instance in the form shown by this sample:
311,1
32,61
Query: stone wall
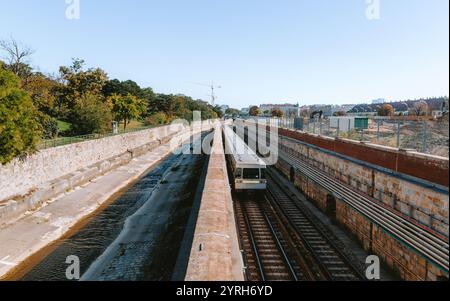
415,199
25,185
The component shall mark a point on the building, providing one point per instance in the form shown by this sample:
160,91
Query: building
289,110
327,110
378,101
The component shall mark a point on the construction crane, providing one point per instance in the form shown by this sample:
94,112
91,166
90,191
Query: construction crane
213,87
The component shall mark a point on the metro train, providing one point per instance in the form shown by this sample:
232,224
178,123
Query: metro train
248,170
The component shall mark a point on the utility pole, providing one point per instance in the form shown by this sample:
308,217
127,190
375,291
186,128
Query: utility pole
213,87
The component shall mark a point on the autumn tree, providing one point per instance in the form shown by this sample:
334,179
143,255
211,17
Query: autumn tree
340,113
386,110
420,109
254,111
277,113
19,129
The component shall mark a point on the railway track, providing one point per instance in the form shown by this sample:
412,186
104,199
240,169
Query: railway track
434,247
324,247
265,253
282,242
429,243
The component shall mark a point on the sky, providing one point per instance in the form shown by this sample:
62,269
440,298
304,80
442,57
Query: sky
259,51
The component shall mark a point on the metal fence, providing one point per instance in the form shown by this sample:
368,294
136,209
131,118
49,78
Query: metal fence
76,139
426,136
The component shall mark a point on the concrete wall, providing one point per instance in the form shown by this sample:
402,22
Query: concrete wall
215,254
25,185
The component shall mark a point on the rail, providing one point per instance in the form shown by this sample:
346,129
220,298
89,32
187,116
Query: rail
430,245
326,249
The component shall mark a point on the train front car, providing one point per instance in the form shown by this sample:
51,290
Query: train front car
249,171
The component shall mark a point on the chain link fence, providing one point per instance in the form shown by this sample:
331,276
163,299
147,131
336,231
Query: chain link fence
426,136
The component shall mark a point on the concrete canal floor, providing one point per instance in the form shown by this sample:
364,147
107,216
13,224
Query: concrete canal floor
137,236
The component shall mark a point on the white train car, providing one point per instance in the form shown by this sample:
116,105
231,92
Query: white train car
249,171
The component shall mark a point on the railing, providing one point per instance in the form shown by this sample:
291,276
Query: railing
422,135
45,144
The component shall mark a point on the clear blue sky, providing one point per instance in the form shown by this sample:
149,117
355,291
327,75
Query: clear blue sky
310,51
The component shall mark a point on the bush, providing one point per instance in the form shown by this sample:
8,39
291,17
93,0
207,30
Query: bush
19,128
157,119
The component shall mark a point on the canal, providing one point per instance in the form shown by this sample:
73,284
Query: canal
138,235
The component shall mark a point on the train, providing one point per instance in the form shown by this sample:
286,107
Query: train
248,170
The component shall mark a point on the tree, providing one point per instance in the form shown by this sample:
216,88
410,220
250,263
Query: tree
19,129
42,92
157,119
91,115
386,110
218,110
77,82
17,56
277,113
124,88
254,111
340,113
232,112
126,108
420,109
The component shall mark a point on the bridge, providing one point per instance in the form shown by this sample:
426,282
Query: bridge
138,206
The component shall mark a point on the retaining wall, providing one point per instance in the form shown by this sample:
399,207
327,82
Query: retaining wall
27,184
412,196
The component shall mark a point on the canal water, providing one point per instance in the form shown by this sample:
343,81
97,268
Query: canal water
164,196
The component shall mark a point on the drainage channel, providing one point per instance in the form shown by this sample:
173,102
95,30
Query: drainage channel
137,236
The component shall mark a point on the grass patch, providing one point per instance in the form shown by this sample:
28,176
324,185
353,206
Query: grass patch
63,126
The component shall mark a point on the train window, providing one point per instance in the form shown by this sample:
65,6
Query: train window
238,174
251,173
263,174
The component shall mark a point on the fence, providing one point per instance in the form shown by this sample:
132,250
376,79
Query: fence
426,136
76,139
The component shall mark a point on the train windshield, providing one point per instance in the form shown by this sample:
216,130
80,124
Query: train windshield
251,173
263,174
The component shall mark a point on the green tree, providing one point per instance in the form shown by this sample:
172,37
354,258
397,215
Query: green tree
19,129
124,88
218,111
126,108
78,82
91,115
232,112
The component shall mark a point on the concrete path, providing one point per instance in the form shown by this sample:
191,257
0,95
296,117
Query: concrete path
38,229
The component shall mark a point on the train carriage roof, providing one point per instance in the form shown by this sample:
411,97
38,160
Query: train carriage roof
242,153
